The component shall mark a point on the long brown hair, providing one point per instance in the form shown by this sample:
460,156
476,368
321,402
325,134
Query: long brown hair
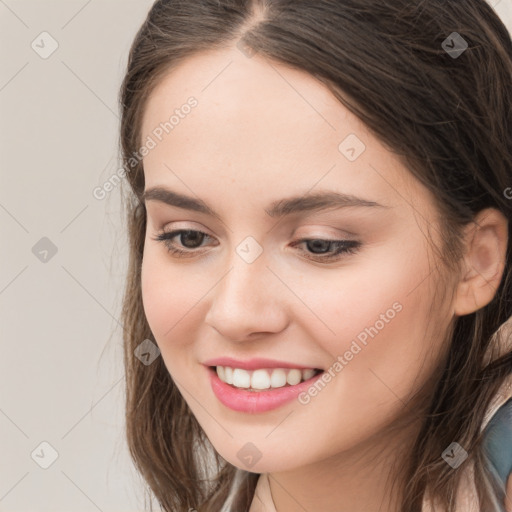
450,119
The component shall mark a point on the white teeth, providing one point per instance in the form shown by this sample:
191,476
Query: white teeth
241,378
260,379
278,378
294,377
228,372
307,374
264,378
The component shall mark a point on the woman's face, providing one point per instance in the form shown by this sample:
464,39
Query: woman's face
256,135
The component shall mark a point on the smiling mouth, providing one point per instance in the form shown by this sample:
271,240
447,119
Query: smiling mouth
264,378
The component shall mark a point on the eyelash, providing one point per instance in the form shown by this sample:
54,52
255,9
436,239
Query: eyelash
344,247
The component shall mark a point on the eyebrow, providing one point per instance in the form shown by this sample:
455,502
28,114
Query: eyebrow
280,208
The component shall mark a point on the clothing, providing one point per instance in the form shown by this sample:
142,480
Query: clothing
498,442
467,498
498,425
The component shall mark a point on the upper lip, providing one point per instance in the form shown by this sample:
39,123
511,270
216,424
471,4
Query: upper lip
255,363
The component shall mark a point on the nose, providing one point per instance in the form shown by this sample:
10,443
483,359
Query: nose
248,301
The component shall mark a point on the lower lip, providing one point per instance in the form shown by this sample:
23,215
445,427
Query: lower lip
254,402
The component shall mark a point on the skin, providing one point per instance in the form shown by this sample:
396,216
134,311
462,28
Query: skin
260,133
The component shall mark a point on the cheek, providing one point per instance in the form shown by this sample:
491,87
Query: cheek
156,294
354,297
170,297
168,294
378,313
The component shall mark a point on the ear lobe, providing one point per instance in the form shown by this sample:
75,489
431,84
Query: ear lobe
486,242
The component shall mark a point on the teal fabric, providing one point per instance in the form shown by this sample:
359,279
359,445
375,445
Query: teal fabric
498,442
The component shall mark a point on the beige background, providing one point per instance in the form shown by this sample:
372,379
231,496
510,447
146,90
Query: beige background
61,374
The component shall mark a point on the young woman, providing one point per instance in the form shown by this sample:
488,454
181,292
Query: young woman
320,267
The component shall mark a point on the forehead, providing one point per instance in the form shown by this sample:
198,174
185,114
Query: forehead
248,101
236,83
263,127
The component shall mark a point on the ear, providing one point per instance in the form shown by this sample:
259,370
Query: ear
486,240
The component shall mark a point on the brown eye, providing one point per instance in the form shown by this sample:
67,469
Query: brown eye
189,238
318,246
